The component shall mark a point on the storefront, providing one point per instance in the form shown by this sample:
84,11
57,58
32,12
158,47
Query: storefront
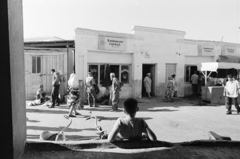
160,52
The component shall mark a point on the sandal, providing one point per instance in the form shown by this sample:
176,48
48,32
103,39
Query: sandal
71,115
78,114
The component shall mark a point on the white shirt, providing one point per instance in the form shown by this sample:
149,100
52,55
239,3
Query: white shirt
232,89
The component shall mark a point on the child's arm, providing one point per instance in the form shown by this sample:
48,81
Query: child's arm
150,133
112,135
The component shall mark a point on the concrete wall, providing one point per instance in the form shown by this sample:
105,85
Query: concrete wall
87,52
147,46
161,47
13,118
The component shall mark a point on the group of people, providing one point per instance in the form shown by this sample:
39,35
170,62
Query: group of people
171,89
114,95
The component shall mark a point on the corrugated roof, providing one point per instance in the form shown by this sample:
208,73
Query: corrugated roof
43,39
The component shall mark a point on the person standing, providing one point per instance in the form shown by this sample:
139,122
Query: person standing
55,88
91,90
169,93
115,92
62,87
232,90
147,84
194,80
174,85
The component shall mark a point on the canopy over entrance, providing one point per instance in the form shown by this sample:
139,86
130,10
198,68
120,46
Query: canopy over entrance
213,66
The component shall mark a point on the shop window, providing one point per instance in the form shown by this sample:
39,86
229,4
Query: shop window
115,69
125,74
94,70
189,71
36,64
122,72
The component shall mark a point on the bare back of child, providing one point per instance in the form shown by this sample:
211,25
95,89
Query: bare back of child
129,127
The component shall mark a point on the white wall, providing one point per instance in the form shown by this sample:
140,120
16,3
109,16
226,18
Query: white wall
162,48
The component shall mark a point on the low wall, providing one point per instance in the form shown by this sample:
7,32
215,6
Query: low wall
128,150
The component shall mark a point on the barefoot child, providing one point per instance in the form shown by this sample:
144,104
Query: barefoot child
129,127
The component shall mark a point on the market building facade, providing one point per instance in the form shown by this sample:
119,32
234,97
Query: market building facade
161,52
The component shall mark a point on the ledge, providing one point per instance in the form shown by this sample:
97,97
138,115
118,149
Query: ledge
158,30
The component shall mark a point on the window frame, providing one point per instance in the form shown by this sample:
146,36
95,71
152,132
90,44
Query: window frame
120,66
36,65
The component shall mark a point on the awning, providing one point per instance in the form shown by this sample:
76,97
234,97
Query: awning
213,66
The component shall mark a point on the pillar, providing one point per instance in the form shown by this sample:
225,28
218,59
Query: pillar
13,109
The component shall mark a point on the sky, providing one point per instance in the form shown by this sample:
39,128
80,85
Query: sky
213,20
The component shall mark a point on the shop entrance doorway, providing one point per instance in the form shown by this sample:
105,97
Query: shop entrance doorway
148,68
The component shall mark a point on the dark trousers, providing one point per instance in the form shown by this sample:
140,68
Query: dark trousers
55,93
195,89
230,101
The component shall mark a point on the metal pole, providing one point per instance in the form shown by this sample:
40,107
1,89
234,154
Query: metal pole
205,84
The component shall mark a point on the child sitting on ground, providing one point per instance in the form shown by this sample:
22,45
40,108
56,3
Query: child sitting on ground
40,97
129,127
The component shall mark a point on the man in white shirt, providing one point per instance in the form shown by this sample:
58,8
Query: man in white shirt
232,90
194,80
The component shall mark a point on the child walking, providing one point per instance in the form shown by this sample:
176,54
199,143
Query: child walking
73,100
129,127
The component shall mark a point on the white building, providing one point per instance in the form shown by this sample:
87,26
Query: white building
161,52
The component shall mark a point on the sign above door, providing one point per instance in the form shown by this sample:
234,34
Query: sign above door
111,43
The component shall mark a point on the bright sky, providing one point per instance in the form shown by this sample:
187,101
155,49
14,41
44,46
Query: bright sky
200,19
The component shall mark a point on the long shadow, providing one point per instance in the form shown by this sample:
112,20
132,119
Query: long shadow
52,111
58,129
151,105
101,109
115,118
34,121
161,110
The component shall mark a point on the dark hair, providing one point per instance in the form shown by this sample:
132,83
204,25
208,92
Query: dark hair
130,105
53,70
173,76
229,76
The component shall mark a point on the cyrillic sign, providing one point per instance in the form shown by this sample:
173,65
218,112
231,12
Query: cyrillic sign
110,43
205,50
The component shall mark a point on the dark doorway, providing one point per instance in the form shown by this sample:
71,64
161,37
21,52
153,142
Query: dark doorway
148,68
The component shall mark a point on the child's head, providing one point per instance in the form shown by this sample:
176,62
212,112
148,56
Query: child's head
130,106
41,87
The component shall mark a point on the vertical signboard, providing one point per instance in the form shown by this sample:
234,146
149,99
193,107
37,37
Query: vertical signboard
111,43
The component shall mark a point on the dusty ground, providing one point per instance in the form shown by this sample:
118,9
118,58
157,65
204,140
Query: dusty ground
182,120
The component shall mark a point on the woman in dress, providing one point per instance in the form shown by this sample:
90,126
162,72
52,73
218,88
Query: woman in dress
62,89
169,94
147,84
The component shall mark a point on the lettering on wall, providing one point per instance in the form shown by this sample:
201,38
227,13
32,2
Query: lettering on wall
206,50
111,43
227,50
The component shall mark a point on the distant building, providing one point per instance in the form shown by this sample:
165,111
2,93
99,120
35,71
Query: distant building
162,52
41,54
